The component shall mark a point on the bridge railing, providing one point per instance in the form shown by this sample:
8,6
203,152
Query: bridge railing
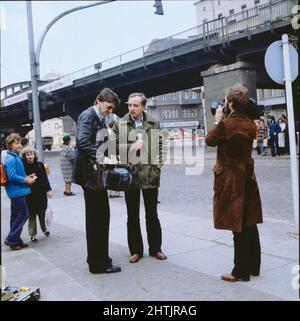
223,28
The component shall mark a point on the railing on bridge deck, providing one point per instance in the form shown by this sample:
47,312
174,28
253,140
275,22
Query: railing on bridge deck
219,29
12,89
16,88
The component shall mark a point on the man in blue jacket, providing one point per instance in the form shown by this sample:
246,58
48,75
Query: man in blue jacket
16,188
274,129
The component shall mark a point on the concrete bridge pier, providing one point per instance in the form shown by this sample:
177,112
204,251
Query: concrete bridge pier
218,78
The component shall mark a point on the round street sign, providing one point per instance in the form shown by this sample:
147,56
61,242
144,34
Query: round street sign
274,62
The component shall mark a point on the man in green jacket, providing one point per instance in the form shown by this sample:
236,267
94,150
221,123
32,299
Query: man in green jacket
140,143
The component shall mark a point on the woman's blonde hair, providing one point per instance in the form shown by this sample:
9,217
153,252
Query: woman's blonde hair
29,150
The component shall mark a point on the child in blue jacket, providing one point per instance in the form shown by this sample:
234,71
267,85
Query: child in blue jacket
16,188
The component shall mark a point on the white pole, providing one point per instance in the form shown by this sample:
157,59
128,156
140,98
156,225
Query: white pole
34,85
291,127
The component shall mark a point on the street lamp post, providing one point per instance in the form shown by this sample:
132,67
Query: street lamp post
34,84
34,66
35,62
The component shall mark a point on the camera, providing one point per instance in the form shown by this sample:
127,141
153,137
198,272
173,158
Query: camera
253,110
214,106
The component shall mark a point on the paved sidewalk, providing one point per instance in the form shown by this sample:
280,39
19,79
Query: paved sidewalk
197,255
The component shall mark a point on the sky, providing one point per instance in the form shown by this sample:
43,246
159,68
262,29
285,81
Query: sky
84,37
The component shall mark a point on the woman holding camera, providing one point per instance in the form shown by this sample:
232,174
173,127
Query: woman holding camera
237,204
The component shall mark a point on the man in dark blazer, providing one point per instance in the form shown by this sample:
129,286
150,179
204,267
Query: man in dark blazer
97,211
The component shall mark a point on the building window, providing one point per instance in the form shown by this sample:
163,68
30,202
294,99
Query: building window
219,2
186,95
244,7
164,114
220,15
231,11
204,9
194,95
174,96
163,97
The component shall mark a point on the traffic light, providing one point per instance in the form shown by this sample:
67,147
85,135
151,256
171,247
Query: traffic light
159,7
45,99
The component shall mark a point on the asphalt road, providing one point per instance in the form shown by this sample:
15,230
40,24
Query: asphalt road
189,193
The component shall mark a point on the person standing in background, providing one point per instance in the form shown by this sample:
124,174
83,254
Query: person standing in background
262,135
67,156
41,190
281,137
274,130
17,189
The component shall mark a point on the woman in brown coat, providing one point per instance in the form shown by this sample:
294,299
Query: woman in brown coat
237,204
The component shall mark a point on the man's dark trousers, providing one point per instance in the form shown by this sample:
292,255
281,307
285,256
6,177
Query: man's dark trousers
134,235
274,145
97,216
247,251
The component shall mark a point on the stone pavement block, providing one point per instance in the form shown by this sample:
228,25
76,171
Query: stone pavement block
24,263
71,291
48,295
169,218
77,222
277,282
15,256
214,261
176,243
14,267
202,229
38,278
119,235
40,264
286,248
151,279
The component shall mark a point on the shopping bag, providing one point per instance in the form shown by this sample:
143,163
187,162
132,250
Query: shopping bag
3,175
47,169
49,215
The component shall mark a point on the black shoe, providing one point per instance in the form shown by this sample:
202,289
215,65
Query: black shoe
254,273
23,245
13,247
69,193
34,239
47,233
111,269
